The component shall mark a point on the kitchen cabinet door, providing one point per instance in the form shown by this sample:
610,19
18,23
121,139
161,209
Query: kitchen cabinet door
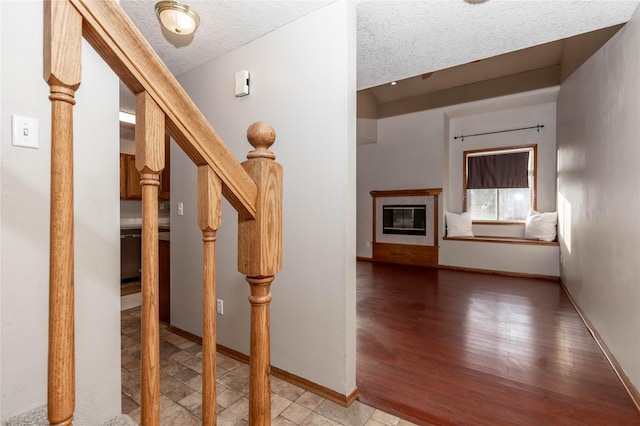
165,187
134,189
123,176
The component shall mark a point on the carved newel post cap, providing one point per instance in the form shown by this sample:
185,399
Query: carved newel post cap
261,136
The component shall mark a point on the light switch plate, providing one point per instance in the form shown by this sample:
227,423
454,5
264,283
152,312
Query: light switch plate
24,131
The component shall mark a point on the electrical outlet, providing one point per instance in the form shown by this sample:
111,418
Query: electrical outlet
220,306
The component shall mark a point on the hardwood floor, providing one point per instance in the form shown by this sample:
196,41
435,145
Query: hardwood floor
128,288
456,348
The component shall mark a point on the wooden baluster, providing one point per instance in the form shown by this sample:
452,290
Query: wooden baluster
150,133
209,196
62,71
260,258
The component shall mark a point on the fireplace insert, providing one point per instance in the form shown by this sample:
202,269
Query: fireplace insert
404,219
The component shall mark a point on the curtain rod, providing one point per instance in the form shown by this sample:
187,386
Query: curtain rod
538,127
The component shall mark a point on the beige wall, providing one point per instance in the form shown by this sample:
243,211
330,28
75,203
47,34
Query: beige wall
24,226
598,195
302,83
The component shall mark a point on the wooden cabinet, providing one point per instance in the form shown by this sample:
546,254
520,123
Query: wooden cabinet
164,281
165,187
123,176
130,188
134,189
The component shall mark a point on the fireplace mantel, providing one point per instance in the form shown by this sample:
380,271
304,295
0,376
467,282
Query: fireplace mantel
419,250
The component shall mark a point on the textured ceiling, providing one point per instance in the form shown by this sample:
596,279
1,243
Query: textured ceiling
224,26
396,39
559,57
400,39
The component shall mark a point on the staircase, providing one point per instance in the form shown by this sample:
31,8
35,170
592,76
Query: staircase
253,188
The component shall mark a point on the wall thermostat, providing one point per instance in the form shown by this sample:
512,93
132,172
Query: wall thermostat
242,83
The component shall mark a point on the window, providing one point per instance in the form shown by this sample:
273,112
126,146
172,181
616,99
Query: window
499,184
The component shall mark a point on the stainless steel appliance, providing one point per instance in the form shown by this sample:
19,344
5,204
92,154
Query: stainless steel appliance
130,254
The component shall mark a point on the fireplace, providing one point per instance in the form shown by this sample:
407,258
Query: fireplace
405,226
404,219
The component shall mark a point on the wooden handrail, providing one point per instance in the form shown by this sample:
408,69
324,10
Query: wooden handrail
254,188
116,39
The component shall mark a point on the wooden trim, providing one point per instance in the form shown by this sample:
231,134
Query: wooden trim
406,192
534,201
331,395
495,222
406,254
464,181
499,148
617,368
503,240
184,333
338,398
364,259
436,213
375,220
501,273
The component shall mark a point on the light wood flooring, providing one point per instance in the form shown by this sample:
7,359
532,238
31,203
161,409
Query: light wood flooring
456,348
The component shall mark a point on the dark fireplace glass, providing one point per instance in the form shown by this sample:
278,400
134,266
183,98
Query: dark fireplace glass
404,219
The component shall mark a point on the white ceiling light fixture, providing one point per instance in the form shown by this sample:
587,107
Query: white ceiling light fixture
177,17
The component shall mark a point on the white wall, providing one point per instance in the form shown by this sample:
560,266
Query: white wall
24,226
598,195
303,84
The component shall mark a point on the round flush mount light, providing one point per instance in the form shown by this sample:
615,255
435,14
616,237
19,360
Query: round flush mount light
177,17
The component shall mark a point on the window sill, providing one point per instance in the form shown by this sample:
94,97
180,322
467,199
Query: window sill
495,222
503,240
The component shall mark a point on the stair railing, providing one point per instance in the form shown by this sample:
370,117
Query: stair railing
254,188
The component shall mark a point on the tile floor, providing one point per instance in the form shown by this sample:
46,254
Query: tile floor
181,387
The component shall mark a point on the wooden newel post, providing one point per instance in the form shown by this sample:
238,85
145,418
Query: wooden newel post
209,196
150,134
260,258
62,71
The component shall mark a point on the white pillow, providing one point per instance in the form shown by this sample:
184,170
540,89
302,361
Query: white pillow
458,225
541,226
